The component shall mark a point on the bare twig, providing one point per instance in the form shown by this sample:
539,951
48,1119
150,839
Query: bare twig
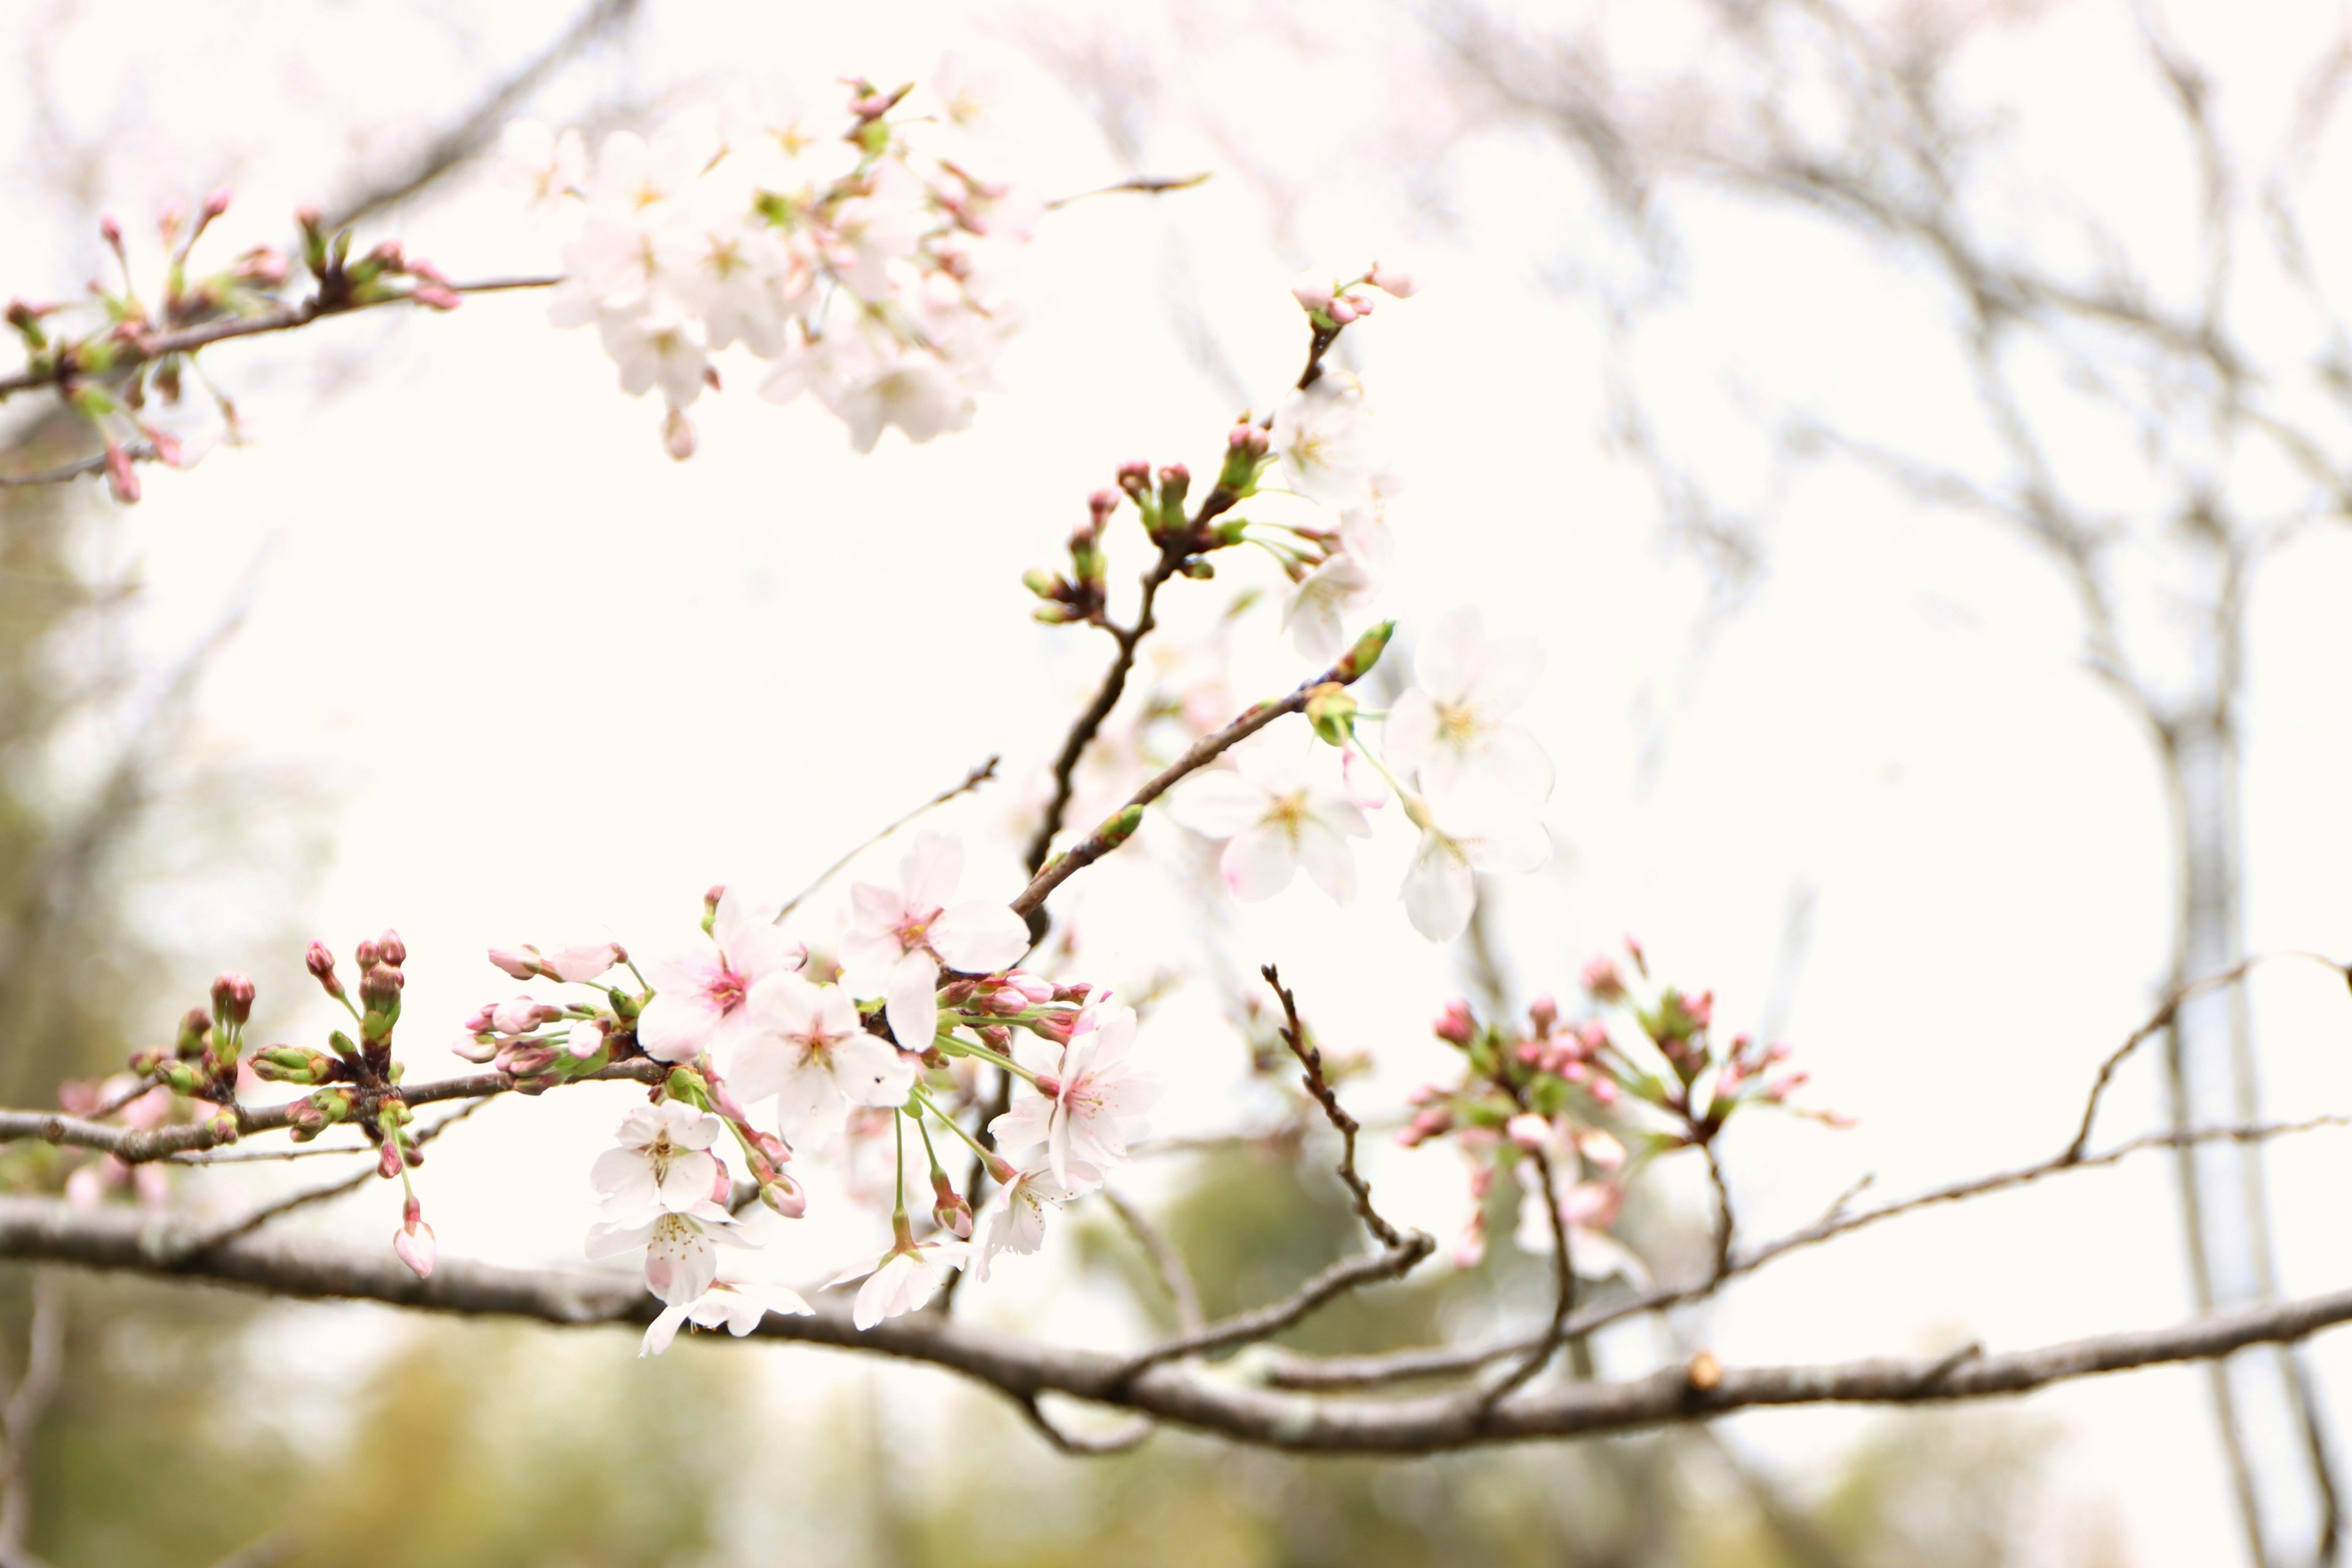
1482,1401
972,781
1175,1278
45,1352
1724,1224
1142,185
1125,1438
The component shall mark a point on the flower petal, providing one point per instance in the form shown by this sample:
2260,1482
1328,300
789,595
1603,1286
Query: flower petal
980,936
1439,892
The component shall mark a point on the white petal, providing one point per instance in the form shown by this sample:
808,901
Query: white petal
1217,804
1439,892
661,1331
912,1002
868,1071
808,1106
786,1003
606,1240
1328,861
1452,658
932,867
1259,862
1511,844
980,937
1507,674
674,1025
1411,735
758,1066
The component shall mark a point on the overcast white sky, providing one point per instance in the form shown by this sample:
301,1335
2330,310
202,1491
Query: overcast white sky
561,681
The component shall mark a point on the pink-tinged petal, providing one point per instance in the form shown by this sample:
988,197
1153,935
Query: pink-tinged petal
609,1240
1452,657
932,867
837,1014
875,908
1409,738
687,972
673,1026
1259,862
1439,892
1217,804
868,1071
1057,1145
661,1331
688,1127
785,1003
1338,813
739,920
414,1242
1511,844
877,1299
584,962
980,937
758,1066
1025,1126
626,1181
1507,675
680,1263
1328,861
763,951
911,1001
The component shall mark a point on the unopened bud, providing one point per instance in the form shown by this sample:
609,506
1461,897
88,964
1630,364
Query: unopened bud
677,432
1121,827
413,1240
1528,1130
784,1196
1312,293
523,966
710,906
1360,659
195,1025
1457,1024
379,988
1331,710
120,477
322,965
390,949
1394,282
232,998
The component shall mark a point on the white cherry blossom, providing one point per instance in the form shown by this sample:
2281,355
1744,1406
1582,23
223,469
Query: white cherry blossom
1349,578
902,937
1273,820
1016,1222
1460,837
901,386
657,347
1323,435
737,1305
1589,1209
1090,1107
663,1164
699,994
1451,728
909,1275
813,1052
681,1257
546,166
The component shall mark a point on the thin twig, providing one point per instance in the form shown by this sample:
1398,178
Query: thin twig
972,781
1723,1220
1167,1262
1142,185
45,1352
1563,1300
1124,1438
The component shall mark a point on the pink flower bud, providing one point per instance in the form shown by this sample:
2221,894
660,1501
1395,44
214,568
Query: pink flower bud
1592,1203
1528,1130
1641,959
584,962
1049,1085
414,1242
232,998
364,955
1701,1008
1341,312
1601,1148
523,966
1603,1091
1543,1013
322,965
678,434
390,949
476,1048
1470,1247
1600,978
110,231
521,1016
1248,438
1312,293
1457,1024
217,204
1394,282
387,1161
121,478
785,1197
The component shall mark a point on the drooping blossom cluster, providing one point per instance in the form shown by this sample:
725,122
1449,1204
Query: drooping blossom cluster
770,1055
838,245
1639,1069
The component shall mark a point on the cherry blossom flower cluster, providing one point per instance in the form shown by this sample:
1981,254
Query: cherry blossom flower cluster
841,249
1640,1072
770,1054
111,373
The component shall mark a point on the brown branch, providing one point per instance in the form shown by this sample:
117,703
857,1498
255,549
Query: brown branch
1400,1251
45,1352
1125,1438
1201,752
1295,1371
129,353
134,1146
1555,1334
121,1239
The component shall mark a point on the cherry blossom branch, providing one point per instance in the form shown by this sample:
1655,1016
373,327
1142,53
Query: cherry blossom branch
134,1146
1304,1372
131,352
1400,1252
1724,1224
1200,754
1142,185
137,452
119,1238
972,781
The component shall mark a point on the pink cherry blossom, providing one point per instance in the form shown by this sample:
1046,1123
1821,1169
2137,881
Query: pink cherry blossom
1451,726
902,937
1085,1111
681,1259
1274,822
663,1166
813,1052
699,994
413,1240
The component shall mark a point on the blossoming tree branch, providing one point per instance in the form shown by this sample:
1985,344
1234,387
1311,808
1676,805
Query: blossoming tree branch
849,252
